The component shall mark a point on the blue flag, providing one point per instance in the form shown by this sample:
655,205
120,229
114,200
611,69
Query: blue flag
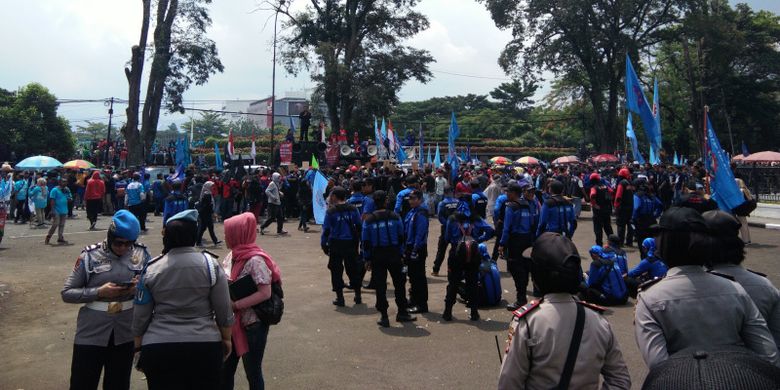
217,158
400,154
422,145
632,138
437,158
722,183
745,152
429,160
292,124
319,206
637,103
468,152
377,136
454,133
676,160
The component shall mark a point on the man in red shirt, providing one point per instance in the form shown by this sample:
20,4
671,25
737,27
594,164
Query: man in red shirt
601,203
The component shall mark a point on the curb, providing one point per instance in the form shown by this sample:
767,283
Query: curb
773,226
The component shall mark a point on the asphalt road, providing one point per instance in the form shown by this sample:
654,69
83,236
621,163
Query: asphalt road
317,345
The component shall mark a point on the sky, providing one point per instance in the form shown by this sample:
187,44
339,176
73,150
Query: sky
78,49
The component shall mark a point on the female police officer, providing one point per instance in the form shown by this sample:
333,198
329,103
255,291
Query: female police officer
104,280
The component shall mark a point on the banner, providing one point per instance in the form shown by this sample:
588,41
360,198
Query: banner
632,138
318,201
637,103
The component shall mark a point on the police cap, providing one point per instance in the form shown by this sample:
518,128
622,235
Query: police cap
555,263
720,223
680,219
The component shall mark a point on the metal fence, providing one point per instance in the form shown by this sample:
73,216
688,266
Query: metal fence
763,181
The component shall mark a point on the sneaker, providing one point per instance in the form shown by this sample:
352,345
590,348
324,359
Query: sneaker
338,302
417,309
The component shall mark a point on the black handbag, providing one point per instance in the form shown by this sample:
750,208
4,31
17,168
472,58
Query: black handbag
271,310
746,208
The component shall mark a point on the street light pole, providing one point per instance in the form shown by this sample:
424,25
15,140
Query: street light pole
110,104
273,89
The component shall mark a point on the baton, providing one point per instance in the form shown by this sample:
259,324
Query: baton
498,349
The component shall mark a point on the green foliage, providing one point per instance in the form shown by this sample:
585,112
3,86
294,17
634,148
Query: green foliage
91,131
29,125
209,124
351,47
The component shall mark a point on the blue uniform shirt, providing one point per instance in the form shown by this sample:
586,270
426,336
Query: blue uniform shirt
652,265
342,222
358,200
480,230
174,204
416,228
621,258
479,203
368,205
497,212
557,215
647,205
133,193
446,207
518,220
399,200
607,279
382,230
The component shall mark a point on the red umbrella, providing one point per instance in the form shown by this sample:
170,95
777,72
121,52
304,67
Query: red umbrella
566,160
602,158
766,156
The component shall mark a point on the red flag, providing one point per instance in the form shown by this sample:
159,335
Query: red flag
230,143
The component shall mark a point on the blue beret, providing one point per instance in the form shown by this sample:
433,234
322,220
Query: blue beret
126,225
190,215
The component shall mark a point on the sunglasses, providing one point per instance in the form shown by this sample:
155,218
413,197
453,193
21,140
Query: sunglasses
122,243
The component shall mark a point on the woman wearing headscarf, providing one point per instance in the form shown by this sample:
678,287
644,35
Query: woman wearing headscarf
94,193
249,333
40,195
182,317
206,213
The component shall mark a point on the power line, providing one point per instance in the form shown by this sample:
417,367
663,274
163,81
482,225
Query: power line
471,75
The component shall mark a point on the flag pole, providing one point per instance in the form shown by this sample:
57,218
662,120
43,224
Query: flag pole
704,150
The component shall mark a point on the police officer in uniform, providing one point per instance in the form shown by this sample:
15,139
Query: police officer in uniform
339,241
498,216
517,235
445,209
357,198
691,308
557,214
103,279
402,199
382,242
728,252
416,229
560,342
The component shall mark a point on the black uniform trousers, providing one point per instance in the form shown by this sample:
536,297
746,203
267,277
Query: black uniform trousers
518,265
458,270
139,211
418,283
344,257
89,360
625,230
383,261
602,223
174,366
499,231
275,213
441,250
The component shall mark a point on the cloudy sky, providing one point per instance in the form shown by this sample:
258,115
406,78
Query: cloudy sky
78,48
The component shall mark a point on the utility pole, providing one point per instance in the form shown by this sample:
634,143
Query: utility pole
273,88
110,104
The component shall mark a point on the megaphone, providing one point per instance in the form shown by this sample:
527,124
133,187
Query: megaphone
345,150
371,150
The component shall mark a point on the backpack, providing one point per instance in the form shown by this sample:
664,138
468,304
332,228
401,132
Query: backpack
480,206
467,250
271,310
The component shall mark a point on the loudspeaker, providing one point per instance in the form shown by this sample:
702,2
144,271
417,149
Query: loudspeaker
303,150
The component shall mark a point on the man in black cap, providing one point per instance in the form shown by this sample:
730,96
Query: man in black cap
560,332
727,254
690,308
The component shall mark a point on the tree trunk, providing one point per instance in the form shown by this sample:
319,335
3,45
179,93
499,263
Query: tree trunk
134,75
611,128
696,104
166,13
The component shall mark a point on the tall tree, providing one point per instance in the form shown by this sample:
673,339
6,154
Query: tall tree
91,131
515,97
209,124
30,125
355,52
582,40
182,55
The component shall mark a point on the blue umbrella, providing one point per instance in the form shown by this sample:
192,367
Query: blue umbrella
39,162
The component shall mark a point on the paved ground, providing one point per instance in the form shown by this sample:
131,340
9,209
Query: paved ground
316,345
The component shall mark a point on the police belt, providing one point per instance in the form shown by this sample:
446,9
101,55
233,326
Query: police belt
104,306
